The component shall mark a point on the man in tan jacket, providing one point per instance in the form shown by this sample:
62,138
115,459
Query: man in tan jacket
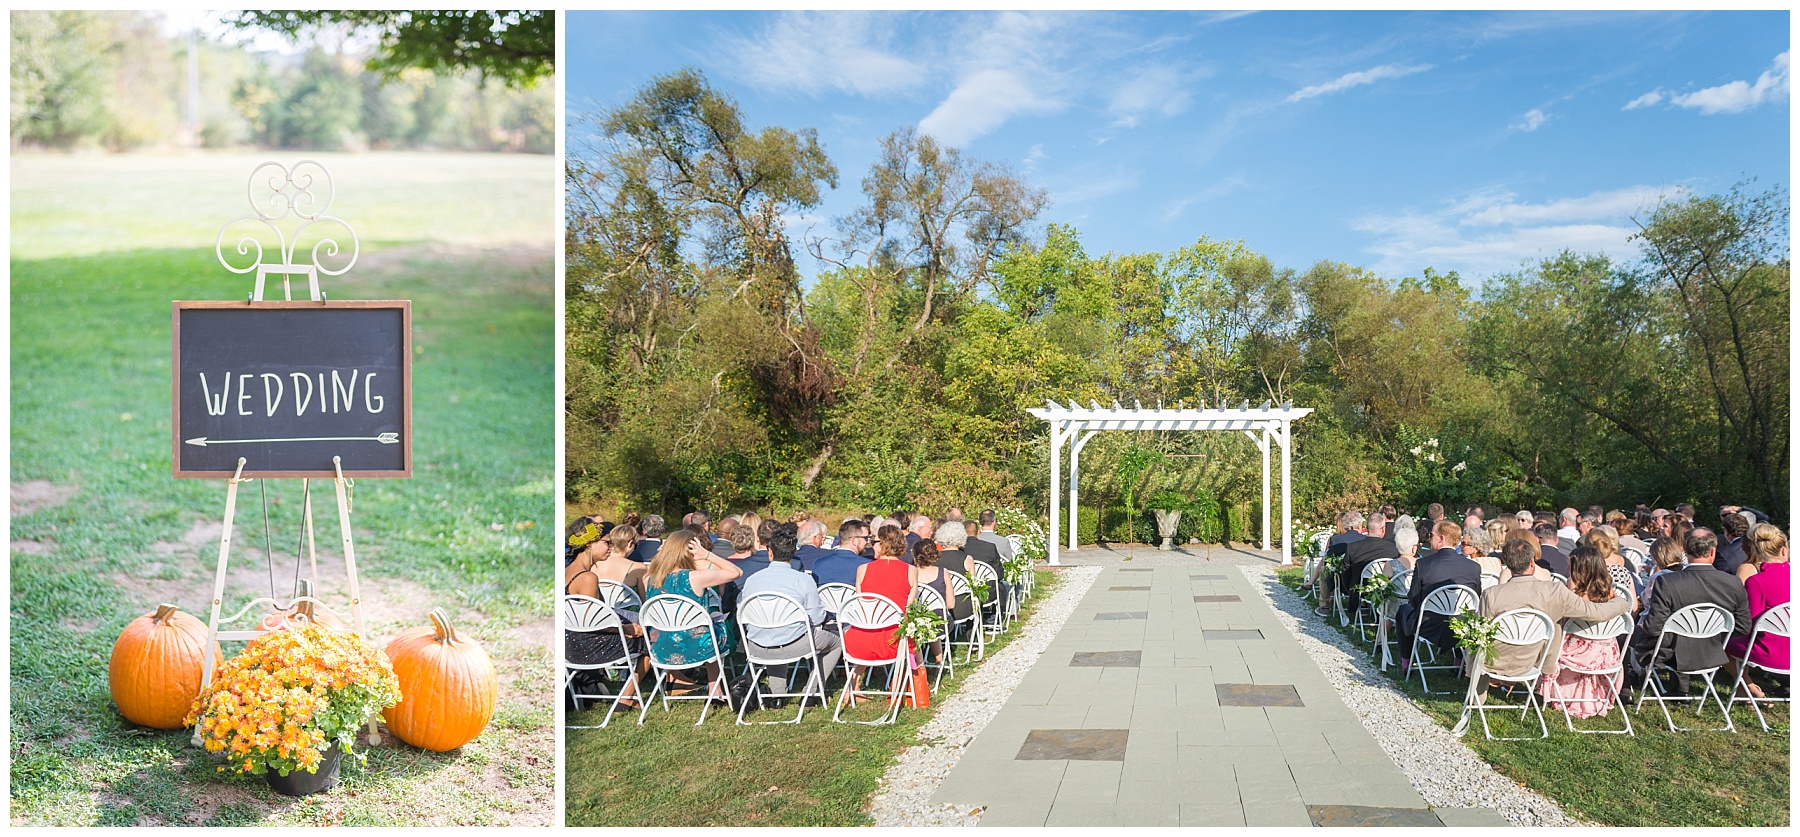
1531,586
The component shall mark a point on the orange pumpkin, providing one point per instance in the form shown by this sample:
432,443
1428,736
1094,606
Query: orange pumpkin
154,673
447,686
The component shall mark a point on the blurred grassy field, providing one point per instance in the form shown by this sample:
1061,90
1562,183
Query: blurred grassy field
101,532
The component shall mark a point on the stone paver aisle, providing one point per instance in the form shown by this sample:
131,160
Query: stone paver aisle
1173,697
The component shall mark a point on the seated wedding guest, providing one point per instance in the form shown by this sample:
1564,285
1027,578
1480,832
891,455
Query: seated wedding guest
1665,557
1628,530
950,541
652,532
988,519
812,545
984,552
700,523
1602,540
1478,548
1695,583
1587,694
1551,556
603,558
920,527
1732,529
1359,554
775,643
682,567
1443,567
889,577
744,552
1496,530
1348,524
840,566
1767,548
925,558
721,545
1406,544
1392,516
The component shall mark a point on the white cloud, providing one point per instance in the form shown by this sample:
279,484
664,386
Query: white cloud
1357,79
815,52
1740,96
1531,121
1492,231
1155,90
1033,156
980,103
1732,97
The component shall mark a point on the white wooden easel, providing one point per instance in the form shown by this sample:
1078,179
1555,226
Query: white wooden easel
290,194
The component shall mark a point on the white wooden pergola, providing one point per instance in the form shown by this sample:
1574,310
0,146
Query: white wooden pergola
1263,425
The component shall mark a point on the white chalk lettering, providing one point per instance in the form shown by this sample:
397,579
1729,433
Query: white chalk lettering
275,400
214,406
340,395
242,396
369,394
300,401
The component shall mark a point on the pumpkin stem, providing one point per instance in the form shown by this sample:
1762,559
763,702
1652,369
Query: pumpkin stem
445,631
164,612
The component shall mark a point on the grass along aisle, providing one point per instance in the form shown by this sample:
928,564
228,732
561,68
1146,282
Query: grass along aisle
669,772
101,533
1652,778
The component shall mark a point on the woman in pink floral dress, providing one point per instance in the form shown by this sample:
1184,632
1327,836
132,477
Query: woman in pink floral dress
1586,695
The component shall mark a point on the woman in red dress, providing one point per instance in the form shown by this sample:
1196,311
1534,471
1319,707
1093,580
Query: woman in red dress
886,576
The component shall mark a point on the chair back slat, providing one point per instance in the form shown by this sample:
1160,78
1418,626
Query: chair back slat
1523,626
674,613
930,597
771,610
1775,621
834,595
983,572
1615,627
870,612
584,614
1376,567
1700,621
1451,600
959,585
620,596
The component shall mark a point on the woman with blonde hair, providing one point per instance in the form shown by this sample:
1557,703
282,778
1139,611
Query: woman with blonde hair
1767,545
683,567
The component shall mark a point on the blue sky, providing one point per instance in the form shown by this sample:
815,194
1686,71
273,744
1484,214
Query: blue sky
1397,141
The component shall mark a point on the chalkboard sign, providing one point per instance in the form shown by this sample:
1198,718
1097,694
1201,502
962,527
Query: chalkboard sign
289,385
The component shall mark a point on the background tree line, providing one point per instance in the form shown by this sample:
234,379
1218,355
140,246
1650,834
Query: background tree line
701,371
112,80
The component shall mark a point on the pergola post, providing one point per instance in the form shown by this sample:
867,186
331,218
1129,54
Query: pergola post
1074,477
1287,494
1056,442
1262,443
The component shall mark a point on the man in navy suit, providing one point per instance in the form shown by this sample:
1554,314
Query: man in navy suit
1550,555
812,546
652,530
839,565
1731,547
1692,584
1445,566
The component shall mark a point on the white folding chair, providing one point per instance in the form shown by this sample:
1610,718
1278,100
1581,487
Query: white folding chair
585,615
1637,560
1696,621
620,597
1560,578
1608,631
1521,627
1489,580
1384,624
930,598
677,614
1774,622
1444,601
869,611
777,610
986,575
1376,567
975,638
834,595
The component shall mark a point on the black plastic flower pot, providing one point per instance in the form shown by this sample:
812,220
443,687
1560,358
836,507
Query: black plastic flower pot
302,783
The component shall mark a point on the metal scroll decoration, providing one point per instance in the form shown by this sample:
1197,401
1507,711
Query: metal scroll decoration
277,192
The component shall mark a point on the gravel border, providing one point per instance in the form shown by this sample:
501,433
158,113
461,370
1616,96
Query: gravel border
1441,768
904,795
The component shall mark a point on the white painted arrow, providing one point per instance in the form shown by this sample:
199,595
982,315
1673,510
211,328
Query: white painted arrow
385,438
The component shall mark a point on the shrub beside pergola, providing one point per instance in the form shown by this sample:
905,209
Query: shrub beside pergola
1075,425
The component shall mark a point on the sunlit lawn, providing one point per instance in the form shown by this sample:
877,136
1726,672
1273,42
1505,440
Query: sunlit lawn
669,772
101,245
1652,778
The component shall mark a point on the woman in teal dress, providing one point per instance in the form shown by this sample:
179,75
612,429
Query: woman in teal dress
682,567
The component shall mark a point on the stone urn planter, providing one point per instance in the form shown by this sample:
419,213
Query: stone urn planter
1166,521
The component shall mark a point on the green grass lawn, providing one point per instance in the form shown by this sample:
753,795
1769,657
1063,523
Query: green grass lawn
671,773
1652,778
101,532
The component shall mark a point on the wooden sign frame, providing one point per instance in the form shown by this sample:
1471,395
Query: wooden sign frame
406,425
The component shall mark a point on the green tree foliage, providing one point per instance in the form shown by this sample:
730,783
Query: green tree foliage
701,374
109,79
514,47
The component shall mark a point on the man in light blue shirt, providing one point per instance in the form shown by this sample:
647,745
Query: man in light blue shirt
788,640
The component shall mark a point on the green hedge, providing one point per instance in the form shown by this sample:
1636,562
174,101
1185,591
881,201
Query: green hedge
1203,518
